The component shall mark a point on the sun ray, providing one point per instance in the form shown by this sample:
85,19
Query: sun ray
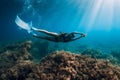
99,15
94,12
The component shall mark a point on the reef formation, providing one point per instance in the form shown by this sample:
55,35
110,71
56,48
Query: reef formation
16,63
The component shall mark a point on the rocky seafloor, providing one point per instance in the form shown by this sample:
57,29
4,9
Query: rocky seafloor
17,63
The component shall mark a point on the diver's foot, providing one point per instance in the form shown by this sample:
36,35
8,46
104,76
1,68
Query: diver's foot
33,28
34,34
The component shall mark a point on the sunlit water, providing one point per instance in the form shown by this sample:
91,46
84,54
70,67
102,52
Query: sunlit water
99,19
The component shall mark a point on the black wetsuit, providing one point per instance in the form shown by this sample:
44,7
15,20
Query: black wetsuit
62,38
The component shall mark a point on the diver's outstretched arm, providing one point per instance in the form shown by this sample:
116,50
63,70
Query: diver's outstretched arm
45,31
81,35
78,33
46,38
76,38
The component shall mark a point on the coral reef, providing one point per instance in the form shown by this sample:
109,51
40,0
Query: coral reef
66,66
115,57
115,53
15,53
18,71
41,49
93,53
59,65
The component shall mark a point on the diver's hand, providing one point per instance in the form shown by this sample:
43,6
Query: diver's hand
83,35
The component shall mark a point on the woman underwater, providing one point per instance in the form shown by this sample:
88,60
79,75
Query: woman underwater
51,36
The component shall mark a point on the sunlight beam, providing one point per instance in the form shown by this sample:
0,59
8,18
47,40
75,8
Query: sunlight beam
96,8
106,14
99,15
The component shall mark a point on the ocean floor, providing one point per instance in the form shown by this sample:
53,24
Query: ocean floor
28,61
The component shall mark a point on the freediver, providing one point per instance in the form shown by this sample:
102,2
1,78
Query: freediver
55,37
52,36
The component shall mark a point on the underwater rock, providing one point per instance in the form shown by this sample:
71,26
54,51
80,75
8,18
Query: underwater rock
115,57
18,71
40,49
15,53
93,53
115,53
59,65
66,66
15,61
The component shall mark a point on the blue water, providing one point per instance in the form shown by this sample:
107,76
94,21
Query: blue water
99,19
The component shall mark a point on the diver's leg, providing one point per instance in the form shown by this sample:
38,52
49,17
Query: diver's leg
46,38
45,31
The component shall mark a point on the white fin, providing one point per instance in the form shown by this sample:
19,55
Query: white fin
23,24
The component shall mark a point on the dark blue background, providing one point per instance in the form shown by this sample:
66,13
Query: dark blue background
8,11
